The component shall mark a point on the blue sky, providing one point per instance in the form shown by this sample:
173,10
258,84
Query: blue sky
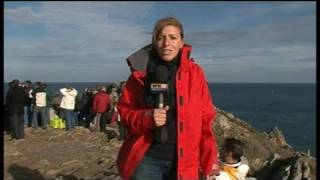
89,41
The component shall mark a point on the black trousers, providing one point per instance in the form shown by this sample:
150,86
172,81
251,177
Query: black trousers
16,125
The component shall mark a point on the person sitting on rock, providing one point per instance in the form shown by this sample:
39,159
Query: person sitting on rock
232,166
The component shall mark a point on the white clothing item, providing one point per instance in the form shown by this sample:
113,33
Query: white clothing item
30,93
41,99
241,172
118,115
68,99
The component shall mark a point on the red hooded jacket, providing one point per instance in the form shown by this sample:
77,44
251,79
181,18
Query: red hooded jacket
101,102
196,144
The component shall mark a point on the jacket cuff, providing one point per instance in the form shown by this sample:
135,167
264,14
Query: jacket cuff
149,113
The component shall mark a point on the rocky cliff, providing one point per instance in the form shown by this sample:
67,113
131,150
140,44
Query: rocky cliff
269,156
82,154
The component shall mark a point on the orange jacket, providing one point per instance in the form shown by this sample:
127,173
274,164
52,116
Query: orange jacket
196,144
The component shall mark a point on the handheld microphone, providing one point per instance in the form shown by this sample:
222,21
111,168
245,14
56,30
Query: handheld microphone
160,87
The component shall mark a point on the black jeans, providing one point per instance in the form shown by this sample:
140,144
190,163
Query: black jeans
16,125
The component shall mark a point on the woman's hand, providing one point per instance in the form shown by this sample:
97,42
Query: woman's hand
160,116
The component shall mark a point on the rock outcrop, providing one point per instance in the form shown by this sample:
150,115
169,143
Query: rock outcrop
270,157
59,155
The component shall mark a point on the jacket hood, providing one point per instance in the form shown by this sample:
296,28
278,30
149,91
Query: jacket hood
138,60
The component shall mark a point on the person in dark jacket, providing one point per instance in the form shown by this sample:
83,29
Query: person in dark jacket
16,99
28,107
85,107
76,110
175,141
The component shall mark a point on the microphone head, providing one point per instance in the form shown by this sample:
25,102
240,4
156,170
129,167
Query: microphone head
161,78
161,74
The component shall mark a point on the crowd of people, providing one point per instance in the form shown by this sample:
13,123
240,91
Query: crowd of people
29,105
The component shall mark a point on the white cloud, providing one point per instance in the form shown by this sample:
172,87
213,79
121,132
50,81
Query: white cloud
82,34
96,36
21,15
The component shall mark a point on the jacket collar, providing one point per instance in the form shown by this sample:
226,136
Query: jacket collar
185,56
235,165
138,61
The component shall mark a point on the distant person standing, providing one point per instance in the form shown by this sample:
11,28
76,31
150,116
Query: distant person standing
40,105
15,101
101,104
122,129
113,90
86,107
67,106
76,110
28,107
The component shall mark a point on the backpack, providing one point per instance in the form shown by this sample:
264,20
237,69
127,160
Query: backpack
57,122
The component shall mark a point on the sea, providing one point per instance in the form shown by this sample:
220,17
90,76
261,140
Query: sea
288,106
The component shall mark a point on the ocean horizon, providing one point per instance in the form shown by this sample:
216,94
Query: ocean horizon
289,106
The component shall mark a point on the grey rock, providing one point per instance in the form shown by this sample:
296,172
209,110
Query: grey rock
52,172
74,162
44,162
296,171
230,116
305,170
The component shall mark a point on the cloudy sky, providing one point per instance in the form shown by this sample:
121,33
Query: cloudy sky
89,41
